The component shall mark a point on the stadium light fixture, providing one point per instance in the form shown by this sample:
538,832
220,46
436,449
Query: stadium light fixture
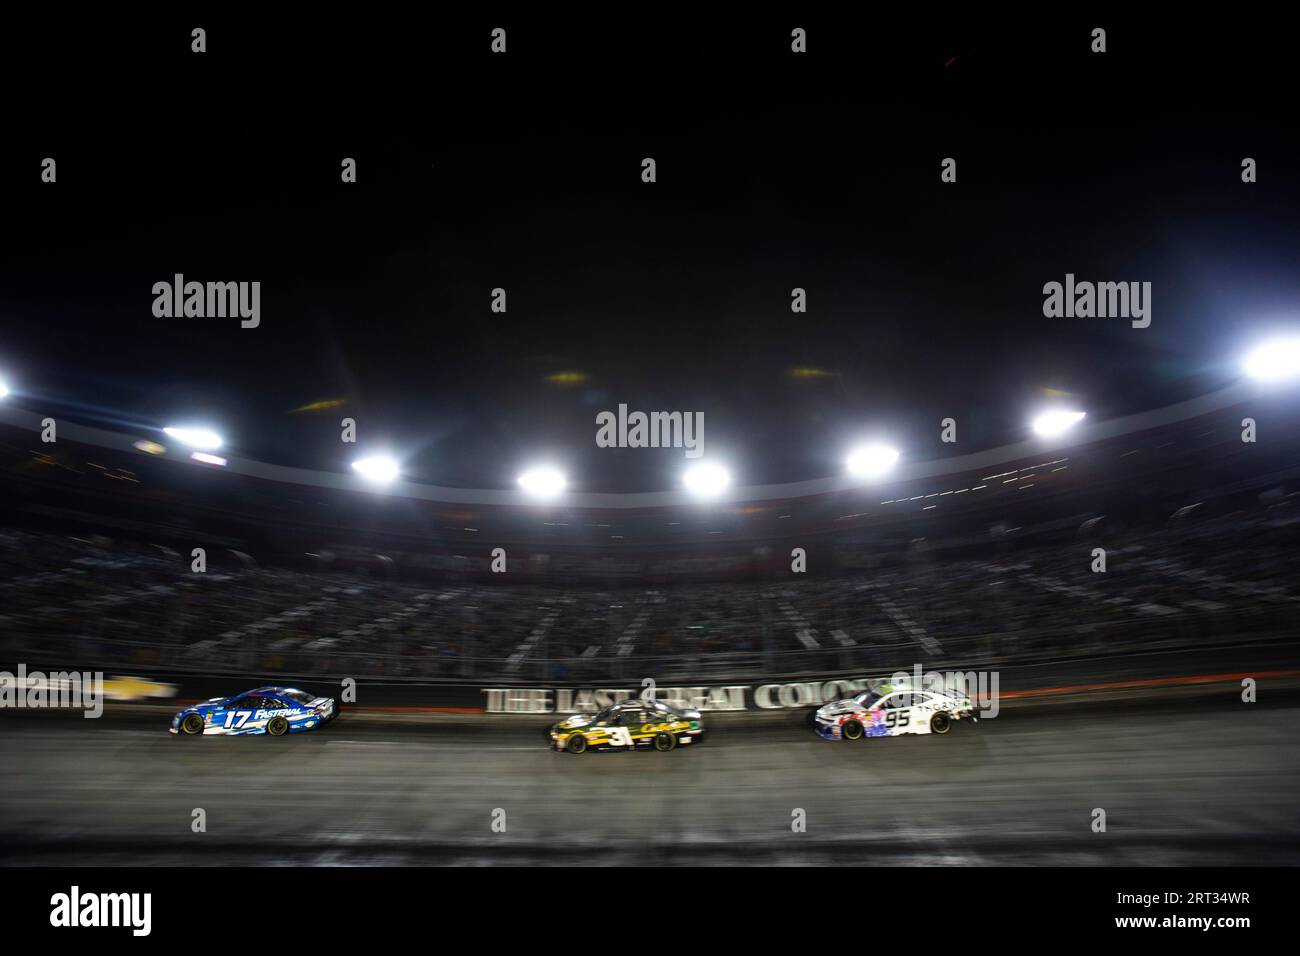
1277,360
871,461
377,468
204,439
542,481
706,480
1056,421
4,389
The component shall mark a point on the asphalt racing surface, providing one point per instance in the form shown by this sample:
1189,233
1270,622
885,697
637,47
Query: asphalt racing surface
1211,781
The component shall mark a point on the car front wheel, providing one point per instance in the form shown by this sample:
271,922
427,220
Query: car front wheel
576,744
192,725
852,730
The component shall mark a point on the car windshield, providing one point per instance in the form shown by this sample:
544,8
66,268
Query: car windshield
867,698
629,706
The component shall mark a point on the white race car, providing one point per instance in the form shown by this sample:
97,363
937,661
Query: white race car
888,711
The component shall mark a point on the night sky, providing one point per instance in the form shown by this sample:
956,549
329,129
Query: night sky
523,171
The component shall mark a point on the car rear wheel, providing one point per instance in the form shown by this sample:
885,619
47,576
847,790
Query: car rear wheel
192,725
940,723
277,726
665,742
852,730
576,744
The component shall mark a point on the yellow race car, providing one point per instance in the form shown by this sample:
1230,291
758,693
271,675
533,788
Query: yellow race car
628,725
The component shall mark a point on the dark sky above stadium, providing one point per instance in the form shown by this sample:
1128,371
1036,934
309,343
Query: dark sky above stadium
925,299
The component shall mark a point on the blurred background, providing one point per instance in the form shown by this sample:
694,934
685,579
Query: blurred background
920,469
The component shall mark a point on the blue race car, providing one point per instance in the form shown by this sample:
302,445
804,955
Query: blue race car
267,710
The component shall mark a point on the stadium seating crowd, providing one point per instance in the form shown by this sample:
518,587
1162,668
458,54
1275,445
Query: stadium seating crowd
117,604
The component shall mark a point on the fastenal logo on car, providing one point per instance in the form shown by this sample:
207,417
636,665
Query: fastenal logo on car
76,909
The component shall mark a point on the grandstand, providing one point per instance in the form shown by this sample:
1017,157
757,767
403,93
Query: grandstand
947,566
117,603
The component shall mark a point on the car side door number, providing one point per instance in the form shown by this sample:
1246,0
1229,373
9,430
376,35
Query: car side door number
620,736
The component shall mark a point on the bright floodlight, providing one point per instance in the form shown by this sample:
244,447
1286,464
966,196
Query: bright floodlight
4,389
1274,361
203,439
376,468
871,461
1055,422
706,480
542,482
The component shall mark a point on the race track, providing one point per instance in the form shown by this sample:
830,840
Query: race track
1181,783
